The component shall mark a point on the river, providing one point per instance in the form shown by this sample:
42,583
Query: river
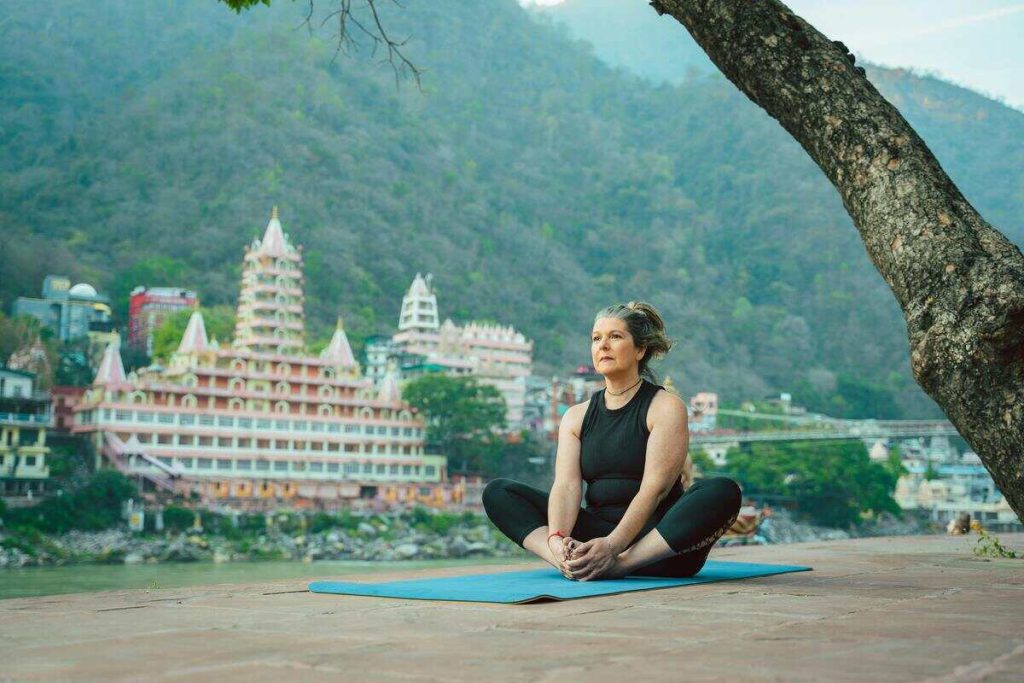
86,578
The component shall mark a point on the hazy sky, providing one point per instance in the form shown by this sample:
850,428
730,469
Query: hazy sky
975,43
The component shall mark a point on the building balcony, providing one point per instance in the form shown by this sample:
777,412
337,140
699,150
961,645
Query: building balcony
38,420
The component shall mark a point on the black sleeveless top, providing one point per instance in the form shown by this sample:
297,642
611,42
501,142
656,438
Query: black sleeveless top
614,450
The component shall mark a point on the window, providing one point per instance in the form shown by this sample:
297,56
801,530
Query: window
316,427
243,465
30,461
204,463
186,440
186,420
333,447
206,441
351,429
430,470
166,461
393,469
223,464
245,423
298,467
300,426
280,466
224,421
144,417
381,430
165,418
206,420
263,465
263,423
332,467
368,467
334,428
245,443
281,424
351,468
123,415
381,469
316,467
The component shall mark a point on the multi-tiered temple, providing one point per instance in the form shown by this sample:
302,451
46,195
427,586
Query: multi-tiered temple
497,354
261,420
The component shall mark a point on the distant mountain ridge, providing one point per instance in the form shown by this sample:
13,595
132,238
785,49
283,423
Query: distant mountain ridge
144,143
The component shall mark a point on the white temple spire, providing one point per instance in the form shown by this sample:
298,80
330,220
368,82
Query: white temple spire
339,351
111,369
194,340
270,318
390,390
419,305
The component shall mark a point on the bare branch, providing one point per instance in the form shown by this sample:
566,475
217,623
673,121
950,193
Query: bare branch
348,21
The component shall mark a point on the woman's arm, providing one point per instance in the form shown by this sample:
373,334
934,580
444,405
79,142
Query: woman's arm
666,455
567,489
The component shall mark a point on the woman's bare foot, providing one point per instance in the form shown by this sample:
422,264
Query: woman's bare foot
617,570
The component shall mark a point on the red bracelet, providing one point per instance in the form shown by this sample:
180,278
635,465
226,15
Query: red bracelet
555,533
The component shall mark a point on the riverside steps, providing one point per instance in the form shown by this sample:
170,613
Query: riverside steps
920,608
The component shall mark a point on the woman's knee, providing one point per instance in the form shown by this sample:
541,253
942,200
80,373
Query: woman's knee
493,493
727,489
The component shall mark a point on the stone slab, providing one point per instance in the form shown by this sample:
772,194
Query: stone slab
906,609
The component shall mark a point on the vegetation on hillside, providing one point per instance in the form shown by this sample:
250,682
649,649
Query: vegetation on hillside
145,144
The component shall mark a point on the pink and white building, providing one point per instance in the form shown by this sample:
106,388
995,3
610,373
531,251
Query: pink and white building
496,354
259,420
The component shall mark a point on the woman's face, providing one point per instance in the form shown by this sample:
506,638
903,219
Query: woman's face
612,349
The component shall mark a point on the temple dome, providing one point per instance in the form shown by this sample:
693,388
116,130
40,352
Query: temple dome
83,289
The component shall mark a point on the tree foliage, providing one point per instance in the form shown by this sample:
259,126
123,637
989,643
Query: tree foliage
834,483
97,505
463,418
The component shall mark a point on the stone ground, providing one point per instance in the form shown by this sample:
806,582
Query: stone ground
877,609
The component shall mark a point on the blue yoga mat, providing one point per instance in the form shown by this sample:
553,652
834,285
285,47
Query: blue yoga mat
538,585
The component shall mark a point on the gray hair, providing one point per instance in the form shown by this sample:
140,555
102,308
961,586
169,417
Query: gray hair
646,327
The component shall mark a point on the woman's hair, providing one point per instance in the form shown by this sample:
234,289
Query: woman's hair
646,327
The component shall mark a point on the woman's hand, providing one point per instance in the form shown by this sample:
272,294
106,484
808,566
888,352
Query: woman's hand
592,560
561,549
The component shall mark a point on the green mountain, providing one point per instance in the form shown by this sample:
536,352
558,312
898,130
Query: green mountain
144,143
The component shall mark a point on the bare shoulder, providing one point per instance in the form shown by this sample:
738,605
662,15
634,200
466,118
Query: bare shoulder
572,421
666,408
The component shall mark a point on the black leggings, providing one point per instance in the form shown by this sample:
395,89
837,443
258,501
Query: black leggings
690,526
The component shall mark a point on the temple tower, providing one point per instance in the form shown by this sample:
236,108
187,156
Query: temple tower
419,306
270,314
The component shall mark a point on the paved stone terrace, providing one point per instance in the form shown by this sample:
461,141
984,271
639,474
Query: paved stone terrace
884,609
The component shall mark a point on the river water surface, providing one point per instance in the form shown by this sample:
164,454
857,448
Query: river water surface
85,578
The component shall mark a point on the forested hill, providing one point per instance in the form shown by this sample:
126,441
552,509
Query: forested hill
144,143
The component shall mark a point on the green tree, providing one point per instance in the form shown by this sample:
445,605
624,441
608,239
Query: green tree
219,321
97,505
463,418
835,483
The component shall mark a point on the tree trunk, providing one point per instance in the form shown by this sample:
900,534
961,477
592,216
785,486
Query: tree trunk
959,282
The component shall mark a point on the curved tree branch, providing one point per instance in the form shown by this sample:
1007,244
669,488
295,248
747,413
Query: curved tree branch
959,281
369,28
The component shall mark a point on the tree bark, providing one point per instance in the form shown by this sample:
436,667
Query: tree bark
959,281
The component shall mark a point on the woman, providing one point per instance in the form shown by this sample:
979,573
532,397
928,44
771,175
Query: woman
629,444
